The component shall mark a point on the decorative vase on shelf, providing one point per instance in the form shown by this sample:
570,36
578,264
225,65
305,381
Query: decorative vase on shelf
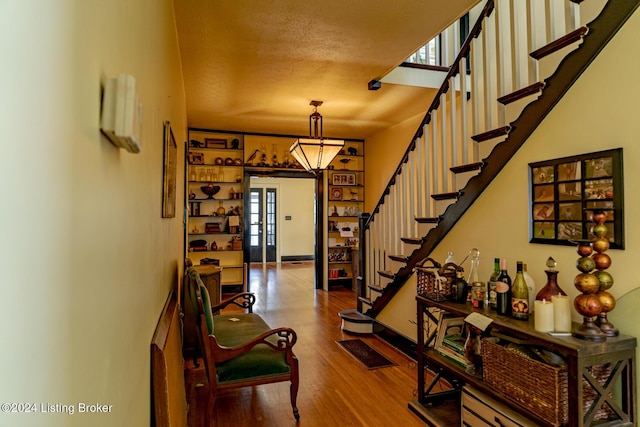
221,210
551,288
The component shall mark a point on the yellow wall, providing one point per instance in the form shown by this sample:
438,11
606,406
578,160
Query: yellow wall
599,112
383,152
87,260
295,237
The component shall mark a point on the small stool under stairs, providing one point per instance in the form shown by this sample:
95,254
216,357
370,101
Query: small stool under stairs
355,322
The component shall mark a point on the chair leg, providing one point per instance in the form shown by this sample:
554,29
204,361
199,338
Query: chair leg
294,395
294,387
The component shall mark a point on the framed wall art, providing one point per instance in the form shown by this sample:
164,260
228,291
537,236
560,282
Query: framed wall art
565,192
215,143
335,193
169,173
196,158
343,179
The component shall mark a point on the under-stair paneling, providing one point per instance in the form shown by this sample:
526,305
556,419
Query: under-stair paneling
595,114
399,315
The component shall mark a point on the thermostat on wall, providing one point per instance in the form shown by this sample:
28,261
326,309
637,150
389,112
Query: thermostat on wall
121,120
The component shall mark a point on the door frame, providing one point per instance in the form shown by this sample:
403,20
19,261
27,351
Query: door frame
319,214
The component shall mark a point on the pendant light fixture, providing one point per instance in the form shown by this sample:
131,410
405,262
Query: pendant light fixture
315,153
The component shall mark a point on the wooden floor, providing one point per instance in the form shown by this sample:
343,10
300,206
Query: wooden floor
335,389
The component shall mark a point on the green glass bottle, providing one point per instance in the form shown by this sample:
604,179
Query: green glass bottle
503,290
492,283
520,295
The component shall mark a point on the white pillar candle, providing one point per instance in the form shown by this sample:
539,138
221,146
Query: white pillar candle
543,316
561,313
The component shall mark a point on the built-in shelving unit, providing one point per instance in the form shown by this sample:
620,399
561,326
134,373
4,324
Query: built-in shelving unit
215,188
344,201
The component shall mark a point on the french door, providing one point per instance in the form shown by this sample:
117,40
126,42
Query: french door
262,216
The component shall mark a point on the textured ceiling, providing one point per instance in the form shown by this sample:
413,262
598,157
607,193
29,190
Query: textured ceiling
254,66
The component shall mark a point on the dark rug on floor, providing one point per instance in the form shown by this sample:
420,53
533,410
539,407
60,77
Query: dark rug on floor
365,354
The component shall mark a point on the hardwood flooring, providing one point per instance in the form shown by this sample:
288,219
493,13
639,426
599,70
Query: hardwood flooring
335,389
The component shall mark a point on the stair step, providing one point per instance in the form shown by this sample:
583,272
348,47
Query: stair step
376,288
494,133
428,220
387,274
467,168
399,258
364,300
355,316
355,322
558,44
446,196
412,240
521,93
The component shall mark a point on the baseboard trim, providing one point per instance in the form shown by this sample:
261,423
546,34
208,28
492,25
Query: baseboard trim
400,342
297,258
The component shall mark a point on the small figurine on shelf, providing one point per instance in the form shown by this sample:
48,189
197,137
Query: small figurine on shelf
235,144
214,246
249,160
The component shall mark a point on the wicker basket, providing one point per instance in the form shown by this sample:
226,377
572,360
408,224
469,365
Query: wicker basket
540,388
601,373
434,282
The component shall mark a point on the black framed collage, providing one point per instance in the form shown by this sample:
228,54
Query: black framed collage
564,192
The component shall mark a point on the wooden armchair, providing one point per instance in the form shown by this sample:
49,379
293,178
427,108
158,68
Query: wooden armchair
240,349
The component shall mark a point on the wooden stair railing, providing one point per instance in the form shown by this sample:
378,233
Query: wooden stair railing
381,228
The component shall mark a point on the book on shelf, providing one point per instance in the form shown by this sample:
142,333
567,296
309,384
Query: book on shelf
450,338
455,342
455,357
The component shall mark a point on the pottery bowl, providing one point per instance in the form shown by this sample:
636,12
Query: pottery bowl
210,189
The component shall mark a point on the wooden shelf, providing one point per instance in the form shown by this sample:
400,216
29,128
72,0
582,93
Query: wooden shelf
578,353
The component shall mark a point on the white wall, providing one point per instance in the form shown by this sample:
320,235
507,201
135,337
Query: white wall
599,112
296,198
87,260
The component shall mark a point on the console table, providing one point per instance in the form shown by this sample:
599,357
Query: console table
441,409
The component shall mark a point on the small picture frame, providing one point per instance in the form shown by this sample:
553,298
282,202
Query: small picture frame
343,179
215,143
336,194
565,192
196,158
170,167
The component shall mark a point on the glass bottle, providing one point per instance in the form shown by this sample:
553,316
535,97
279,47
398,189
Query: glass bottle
450,258
531,284
492,283
503,290
192,174
519,295
203,175
473,271
552,287
459,288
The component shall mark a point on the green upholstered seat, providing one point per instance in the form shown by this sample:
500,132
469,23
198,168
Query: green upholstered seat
262,359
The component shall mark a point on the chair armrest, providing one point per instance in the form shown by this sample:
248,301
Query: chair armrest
243,300
287,338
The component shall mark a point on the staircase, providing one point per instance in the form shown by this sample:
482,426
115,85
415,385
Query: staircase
520,58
